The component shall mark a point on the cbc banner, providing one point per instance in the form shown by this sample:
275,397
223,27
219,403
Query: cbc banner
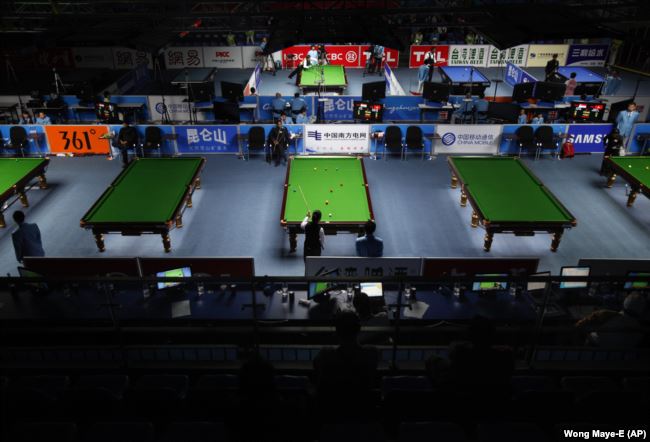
336,139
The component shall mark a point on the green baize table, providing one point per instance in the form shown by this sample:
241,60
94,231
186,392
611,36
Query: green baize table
332,79
16,174
634,170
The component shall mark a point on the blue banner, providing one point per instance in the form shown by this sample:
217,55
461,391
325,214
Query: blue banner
515,75
36,135
587,55
296,132
508,144
338,108
636,146
588,137
201,139
402,108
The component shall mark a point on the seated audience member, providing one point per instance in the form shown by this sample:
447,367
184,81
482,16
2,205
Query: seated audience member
538,119
481,107
370,245
126,139
278,142
345,376
522,118
612,329
361,304
25,118
297,105
278,106
302,117
41,118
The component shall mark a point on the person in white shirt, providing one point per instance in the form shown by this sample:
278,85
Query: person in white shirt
314,234
313,53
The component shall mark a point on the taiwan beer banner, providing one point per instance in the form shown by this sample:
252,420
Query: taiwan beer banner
469,55
517,55
207,139
416,56
227,57
587,55
78,140
184,57
480,139
539,55
337,139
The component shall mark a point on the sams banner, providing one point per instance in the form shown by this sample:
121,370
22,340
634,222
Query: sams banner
588,137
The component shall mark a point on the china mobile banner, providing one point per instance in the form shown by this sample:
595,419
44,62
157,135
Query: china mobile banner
480,139
337,139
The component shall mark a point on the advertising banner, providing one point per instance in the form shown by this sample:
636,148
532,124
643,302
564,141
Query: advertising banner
354,266
469,55
480,139
125,58
587,55
338,108
402,108
78,140
539,55
251,55
183,57
588,137
207,139
392,56
516,55
225,57
344,55
337,139
515,75
177,108
100,58
350,56
416,56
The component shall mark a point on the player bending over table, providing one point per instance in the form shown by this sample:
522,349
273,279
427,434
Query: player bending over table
278,142
314,234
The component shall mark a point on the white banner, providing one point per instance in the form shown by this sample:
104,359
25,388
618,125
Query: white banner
126,58
517,55
177,108
539,55
468,55
225,57
183,57
337,138
362,267
480,139
251,55
101,58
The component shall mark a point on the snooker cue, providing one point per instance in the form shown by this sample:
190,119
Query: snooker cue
303,197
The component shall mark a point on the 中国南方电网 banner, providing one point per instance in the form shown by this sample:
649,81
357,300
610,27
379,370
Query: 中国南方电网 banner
337,139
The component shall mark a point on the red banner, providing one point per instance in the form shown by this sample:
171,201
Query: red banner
416,57
350,56
392,56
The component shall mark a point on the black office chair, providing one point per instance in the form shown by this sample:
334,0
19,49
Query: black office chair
393,141
414,140
153,139
256,140
18,139
546,140
130,134
526,139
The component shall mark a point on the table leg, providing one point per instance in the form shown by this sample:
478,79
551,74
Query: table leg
293,242
189,200
167,242
99,240
610,181
197,183
489,236
555,243
23,199
454,181
631,198
179,221
474,219
2,220
463,198
42,182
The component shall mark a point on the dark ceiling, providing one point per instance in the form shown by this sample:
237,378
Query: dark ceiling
153,24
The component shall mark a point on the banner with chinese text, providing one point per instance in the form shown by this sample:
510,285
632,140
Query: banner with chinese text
184,57
337,139
587,55
479,139
539,55
201,139
517,55
469,55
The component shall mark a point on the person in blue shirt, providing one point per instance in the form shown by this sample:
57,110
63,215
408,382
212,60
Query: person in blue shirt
370,245
537,119
377,56
302,117
612,83
423,74
43,119
25,119
278,106
481,108
522,118
27,238
297,105
313,53
626,120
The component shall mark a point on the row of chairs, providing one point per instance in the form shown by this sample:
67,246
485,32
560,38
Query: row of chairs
18,140
537,140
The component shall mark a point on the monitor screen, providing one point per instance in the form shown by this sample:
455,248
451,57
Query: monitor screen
534,286
365,111
549,91
226,112
574,271
24,273
436,91
201,92
637,285
507,112
183,272
373,91
486,286
232,91
522,92
316,288
372,289
583,111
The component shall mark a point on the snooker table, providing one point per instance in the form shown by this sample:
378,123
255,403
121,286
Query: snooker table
16,174
149,196
334,78
337,186
462,78
589,83
507,198
634,170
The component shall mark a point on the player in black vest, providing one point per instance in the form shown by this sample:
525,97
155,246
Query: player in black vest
314,234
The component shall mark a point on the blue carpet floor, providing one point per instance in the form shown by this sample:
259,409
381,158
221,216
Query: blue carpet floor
237,213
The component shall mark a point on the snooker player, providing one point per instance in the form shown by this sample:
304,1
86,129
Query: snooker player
278,142
314,234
